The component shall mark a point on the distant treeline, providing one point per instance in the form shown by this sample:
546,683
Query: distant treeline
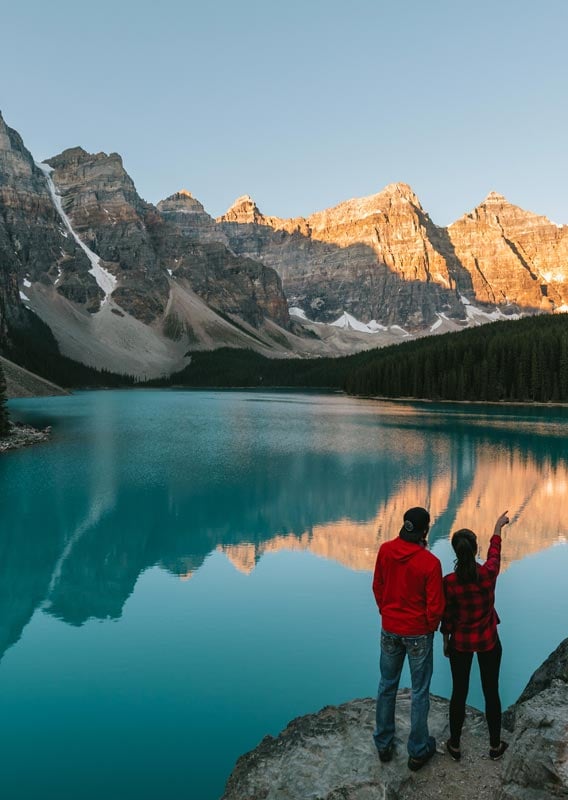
228,367
524,360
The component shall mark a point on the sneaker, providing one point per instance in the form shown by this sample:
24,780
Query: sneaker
495,753
455,752
386,754
417,763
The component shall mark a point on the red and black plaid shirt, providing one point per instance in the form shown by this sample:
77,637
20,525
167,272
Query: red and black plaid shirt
470,617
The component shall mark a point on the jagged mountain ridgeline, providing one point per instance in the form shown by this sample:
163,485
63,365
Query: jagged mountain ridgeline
89,269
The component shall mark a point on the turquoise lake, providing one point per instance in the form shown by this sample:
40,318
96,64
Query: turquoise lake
183,572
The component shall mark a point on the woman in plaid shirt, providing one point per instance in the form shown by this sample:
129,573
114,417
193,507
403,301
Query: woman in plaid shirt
469,626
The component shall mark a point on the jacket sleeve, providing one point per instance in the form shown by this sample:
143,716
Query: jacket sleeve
378,583
448,620
493,563
435,600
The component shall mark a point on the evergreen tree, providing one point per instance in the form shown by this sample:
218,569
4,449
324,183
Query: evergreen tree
3,410
515,360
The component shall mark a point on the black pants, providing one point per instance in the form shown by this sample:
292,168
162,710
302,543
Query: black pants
489,663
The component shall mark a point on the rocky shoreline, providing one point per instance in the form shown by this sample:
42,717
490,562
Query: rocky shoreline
23,436
330,755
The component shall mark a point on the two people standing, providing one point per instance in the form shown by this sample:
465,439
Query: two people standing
413,599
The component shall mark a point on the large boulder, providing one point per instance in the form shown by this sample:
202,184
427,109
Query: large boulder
537,767
330,755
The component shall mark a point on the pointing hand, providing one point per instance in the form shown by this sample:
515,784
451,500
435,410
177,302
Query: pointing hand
501,522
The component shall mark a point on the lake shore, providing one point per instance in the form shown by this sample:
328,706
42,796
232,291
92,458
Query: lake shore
497,403
23,436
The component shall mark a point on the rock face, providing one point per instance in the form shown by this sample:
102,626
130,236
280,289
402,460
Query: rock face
331,755
143,245
101,201
191,247
132,287
190,218
513,256
381,257
537,767
120,284
33,243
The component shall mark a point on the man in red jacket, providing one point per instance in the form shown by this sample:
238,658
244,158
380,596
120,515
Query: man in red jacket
408,588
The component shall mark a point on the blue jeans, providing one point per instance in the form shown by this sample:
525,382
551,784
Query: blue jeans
394,648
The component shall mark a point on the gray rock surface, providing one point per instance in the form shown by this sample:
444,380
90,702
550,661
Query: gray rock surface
537,767
23,436
21,382
381,257
33,243
331,755
378,258
44,269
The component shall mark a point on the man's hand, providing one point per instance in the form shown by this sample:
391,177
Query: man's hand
446,645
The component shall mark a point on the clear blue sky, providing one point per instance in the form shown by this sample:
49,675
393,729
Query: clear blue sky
303,103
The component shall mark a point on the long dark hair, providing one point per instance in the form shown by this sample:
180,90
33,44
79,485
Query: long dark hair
464,543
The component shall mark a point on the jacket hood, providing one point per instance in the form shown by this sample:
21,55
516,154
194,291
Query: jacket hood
404,551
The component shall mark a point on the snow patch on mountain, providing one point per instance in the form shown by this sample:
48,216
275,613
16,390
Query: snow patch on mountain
349,322
398,329
478,316
105,279
373,326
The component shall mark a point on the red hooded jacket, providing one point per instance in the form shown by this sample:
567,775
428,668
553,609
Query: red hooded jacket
408,588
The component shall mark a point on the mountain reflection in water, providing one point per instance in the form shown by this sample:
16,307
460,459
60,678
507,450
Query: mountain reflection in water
137,479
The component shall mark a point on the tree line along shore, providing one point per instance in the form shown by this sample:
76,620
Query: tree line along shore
522,361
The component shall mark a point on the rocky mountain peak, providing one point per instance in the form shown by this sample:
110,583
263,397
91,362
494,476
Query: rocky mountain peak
11,140
76,156
5,143
402,190
181,202
243,210
72,155
495,209
493,198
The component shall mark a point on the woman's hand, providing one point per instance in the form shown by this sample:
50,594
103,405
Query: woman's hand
501,522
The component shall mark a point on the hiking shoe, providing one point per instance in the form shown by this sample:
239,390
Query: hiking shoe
495,753
455,752
386,754
417,763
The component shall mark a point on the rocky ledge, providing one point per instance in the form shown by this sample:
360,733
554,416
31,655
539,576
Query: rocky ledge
22,436
331,756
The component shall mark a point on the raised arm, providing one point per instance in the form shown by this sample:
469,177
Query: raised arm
493,562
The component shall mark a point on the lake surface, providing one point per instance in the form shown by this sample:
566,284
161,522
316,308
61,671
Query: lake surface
183,572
